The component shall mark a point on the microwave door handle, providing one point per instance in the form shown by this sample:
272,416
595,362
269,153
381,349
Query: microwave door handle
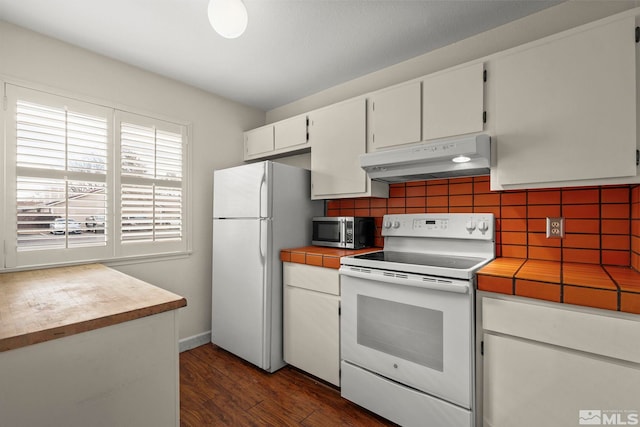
343,232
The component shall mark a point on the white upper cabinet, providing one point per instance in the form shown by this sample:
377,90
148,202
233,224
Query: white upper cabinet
443,104
280,138
565,108
453,102
291,133
338,136
394,116
258,142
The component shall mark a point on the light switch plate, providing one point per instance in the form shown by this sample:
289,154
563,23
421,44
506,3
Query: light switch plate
555,227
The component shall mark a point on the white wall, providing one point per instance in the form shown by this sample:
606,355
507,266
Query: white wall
546,22
216,142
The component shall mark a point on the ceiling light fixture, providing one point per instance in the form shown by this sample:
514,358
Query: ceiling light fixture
228,17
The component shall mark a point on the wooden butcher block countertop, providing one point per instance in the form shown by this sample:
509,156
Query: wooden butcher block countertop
41,305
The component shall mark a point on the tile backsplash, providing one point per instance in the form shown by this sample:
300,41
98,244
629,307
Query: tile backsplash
602,224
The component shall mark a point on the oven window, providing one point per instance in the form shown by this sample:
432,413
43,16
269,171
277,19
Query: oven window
326,231
407,331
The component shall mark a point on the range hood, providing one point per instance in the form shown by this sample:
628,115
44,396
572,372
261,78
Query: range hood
468,155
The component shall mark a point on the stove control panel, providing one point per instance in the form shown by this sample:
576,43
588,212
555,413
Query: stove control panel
446,225
431,224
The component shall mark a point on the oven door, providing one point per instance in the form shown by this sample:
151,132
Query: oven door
412,329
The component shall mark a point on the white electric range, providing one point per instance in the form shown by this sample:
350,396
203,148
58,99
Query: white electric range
407,333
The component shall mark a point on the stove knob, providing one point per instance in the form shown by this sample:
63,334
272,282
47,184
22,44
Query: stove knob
387,224
470,226
483,226
396,224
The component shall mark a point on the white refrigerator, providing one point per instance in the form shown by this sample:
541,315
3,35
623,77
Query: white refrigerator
258,209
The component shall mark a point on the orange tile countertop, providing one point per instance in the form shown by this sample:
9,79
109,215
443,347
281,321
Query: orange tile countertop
320,256
42,305
590,285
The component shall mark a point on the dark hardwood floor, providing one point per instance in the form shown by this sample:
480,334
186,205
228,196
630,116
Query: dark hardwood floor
220,389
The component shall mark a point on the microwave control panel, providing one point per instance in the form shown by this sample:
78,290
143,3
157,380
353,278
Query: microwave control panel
348,231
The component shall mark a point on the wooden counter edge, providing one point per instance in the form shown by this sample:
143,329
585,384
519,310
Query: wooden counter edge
18,341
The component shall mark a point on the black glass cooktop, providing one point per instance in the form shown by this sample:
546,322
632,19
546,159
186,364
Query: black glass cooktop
431,260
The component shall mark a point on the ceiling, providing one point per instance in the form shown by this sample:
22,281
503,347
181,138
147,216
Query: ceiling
291,48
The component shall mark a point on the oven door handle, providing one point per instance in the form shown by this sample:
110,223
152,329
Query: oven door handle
402,279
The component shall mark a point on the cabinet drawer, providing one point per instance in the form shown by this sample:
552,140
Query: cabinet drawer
310,277
575,329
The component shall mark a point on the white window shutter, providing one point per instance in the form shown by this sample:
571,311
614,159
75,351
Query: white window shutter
151,190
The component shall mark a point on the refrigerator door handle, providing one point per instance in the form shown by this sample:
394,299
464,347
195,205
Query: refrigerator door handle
263,242
266,296
261,194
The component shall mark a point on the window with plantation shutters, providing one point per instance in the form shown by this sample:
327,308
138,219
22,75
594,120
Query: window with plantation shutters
151,183
60,175
88,182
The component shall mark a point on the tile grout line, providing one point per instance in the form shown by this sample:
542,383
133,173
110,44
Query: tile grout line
618,288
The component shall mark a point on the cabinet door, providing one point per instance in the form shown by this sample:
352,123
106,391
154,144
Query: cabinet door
550,364
565,107
291,132
338,137
394,116
528,384
312,332
453,102
258,141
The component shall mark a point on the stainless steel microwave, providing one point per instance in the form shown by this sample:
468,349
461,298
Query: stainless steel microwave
346,232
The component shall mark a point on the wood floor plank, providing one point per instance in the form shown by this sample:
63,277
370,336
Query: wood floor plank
272,413
220,389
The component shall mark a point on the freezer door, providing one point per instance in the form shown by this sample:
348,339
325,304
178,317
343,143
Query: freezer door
240,316
242,192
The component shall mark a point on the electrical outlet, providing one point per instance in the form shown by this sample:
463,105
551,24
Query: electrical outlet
555,227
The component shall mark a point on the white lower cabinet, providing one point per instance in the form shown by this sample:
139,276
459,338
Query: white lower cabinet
312,320
549,365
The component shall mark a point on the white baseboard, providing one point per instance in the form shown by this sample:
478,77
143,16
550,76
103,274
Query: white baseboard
194,341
